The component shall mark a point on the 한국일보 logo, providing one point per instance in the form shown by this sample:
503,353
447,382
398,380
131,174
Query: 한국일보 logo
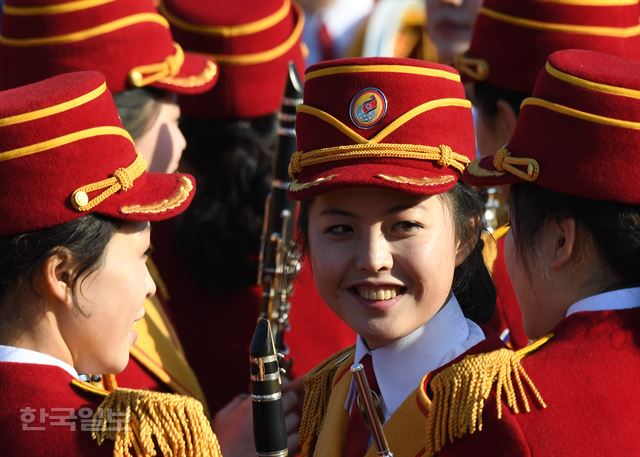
368,107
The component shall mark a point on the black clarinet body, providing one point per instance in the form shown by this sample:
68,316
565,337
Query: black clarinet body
278,264
270,433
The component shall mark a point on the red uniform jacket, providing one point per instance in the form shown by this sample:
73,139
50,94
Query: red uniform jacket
42,414
587,375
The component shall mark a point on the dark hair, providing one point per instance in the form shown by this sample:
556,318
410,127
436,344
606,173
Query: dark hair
472,284
614,227
486,98
138,108
219,234
21,256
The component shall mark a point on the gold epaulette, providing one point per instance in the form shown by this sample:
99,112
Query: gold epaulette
142,422
461,390
317,390
489,250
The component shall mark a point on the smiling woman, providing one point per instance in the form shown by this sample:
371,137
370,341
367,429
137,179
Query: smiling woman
394,244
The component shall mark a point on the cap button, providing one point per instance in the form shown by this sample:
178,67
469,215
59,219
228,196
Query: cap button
80,200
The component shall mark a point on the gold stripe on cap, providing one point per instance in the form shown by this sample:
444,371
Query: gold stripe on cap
87,33
264,56
63,140
55,109
53,9
614,32
593,2
433,72
585,83
230,30
572,112
393,126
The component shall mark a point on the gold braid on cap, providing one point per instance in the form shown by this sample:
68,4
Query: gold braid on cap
122,180
477,69
144,75
443,155
504,161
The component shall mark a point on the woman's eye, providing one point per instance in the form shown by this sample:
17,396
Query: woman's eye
407,226
338,230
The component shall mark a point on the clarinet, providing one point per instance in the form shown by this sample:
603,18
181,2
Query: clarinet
269,430
278,262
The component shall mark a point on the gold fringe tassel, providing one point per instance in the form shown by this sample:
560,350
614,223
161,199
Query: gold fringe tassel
317,390
460,392
149,421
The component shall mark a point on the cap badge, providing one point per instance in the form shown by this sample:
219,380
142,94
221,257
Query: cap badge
368,107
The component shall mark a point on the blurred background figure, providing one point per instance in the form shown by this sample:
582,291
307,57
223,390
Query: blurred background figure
210,257
449,25
332,26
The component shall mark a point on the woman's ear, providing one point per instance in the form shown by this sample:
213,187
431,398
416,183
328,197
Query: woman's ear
465,247
560,242
56,277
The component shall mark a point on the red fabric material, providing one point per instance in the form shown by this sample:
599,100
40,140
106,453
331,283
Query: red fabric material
591,152
245,89
114,53
358,434
36,189
316,332
586,375
507,315
216,330
516,53
403,91
48,389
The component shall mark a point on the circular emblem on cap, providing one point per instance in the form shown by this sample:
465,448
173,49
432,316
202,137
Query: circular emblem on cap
368,107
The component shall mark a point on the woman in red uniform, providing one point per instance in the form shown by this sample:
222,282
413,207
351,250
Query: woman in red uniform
75,206
572,254
394,244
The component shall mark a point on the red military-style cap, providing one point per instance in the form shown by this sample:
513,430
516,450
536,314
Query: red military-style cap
512,39
126,40
252,41
579,133
64,154
387,122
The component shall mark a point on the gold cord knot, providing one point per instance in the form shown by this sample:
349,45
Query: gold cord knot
121,179
124,178
504,161
446,156
477,69
144,75
294,164
499,157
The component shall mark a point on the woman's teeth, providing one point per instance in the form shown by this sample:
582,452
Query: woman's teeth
377,293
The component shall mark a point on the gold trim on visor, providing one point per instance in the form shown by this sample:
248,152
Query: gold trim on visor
422,182
87,33
296,186
177,199
144,75
121,180
614,32
210,71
